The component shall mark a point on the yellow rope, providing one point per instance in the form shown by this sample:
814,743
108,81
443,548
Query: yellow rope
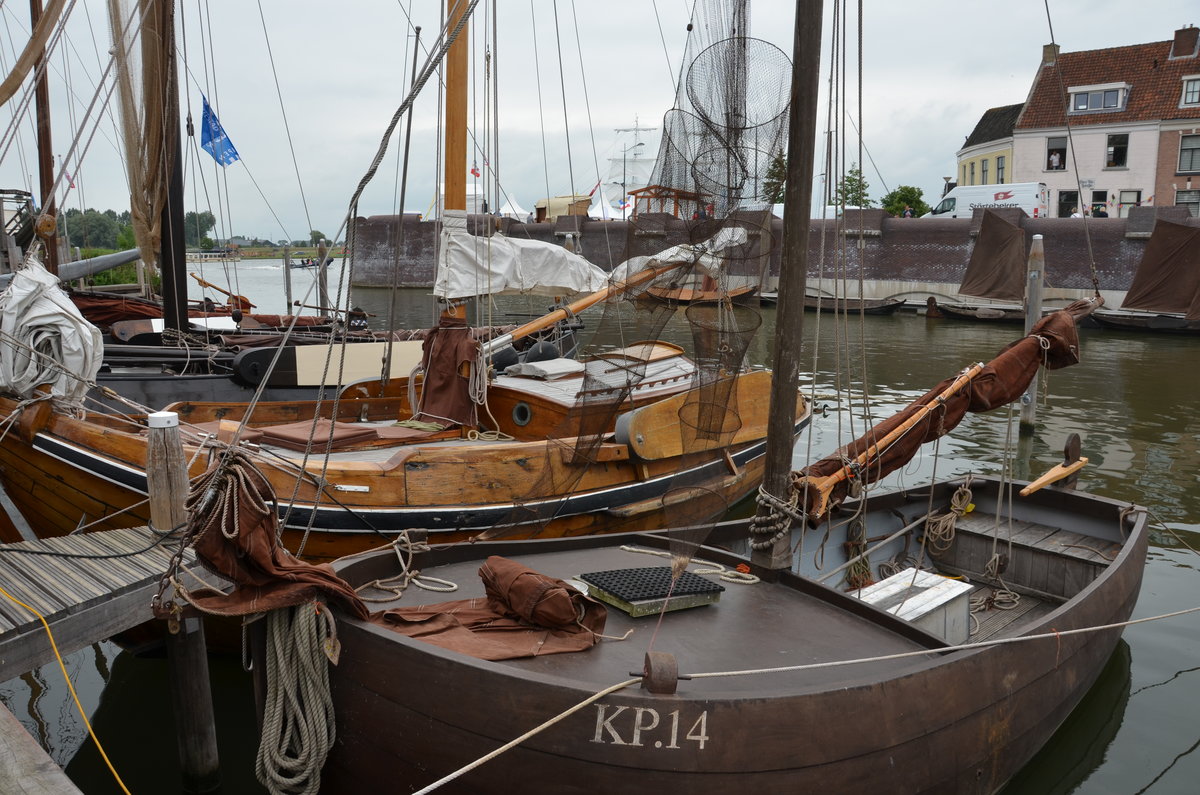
71,687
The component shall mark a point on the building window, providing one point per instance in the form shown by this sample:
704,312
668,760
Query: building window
972,167
964,176
999,169
1099,205
1189,199
1191,91
983,170
1068,203
1104,99
1126,200
1056,154
1189,153
1118,150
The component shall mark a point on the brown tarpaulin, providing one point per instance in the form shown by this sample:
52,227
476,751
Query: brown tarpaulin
1002,381
232,520
446,354
525,614
1168,277
997,267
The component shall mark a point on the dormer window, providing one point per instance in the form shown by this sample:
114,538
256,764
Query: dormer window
1089,99
1191,91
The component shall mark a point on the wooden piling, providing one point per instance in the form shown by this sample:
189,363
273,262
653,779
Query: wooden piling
1033,312
187,653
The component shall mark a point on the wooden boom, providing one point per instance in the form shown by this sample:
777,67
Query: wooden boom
823,486
242,301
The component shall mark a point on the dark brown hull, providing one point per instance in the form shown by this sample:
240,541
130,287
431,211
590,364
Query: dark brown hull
866,306
961,721
1159,324
990,314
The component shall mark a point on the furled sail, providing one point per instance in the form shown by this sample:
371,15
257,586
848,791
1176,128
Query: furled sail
45,329
1168,277
997,267
471,265
1053,342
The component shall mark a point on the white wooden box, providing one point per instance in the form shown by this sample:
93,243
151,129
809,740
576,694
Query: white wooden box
936,604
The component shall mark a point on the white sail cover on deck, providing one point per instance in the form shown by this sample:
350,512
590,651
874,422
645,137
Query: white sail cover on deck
471,265
704,255
45,339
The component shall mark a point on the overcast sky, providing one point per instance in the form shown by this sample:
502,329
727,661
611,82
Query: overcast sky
930,70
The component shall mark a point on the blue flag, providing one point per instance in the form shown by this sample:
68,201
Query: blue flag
213,138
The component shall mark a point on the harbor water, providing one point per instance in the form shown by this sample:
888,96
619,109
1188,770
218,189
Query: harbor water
1134,400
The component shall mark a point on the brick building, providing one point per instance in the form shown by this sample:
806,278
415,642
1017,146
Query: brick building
1114,128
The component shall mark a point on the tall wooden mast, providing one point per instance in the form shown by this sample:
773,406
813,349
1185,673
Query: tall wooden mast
456,110
48,228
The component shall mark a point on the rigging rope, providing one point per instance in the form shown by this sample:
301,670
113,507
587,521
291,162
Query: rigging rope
298,724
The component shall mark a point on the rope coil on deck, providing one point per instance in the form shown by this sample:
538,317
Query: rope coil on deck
298,725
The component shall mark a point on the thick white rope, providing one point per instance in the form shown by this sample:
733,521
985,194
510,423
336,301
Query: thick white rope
298,727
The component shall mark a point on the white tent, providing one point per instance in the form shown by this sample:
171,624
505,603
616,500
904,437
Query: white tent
601,208
512,209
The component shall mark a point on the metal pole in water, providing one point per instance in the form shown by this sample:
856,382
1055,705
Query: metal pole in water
187,653
1033,313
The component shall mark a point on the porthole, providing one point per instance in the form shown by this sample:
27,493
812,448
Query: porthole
522,414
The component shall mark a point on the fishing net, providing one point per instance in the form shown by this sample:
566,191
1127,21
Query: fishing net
678,416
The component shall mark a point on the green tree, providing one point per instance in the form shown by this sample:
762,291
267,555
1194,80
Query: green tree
852,189
125,237
90,228
316,237
206,243
895,201
775,180
195,226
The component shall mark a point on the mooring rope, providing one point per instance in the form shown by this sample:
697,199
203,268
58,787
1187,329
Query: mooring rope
298,727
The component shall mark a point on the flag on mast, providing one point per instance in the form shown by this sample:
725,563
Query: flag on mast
213,138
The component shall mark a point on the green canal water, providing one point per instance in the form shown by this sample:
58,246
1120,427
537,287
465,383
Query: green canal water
1135,401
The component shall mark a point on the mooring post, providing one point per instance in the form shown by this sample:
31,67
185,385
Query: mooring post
1033,313
287,277
187,654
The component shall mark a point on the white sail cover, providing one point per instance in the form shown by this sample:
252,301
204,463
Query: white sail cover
705,254
471,265
43,335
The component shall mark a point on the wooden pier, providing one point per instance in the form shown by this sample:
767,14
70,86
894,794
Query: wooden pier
89,587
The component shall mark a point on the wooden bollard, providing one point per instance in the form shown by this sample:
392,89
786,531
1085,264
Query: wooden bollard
187,653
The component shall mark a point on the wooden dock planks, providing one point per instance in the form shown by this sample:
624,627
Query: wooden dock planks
84,595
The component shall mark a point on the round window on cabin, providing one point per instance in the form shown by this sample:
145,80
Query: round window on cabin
522,414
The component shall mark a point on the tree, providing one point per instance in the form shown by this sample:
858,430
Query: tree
852,189
206,244
316,237
195,226
895,201
91,228
775,180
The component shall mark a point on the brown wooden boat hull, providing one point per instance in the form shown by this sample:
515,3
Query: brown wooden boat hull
866,306
962,721
64,472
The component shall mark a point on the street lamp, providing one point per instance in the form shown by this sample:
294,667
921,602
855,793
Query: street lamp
624,191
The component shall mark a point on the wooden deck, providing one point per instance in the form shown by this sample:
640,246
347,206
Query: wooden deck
86,592
96,586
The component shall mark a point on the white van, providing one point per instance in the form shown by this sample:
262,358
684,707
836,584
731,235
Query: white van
1032,197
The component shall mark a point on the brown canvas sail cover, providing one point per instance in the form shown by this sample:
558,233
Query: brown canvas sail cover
997,267
525,614
235,529
1168,277
1000,382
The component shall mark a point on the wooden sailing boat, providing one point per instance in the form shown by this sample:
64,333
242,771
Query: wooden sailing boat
615,440
773,682
1165,294
996,273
